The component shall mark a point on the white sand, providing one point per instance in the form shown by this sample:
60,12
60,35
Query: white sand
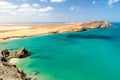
13,60
4,28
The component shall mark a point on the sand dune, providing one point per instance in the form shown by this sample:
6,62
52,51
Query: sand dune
14,31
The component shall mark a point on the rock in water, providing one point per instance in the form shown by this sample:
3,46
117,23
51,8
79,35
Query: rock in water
11,72
22,53
5,55
34,73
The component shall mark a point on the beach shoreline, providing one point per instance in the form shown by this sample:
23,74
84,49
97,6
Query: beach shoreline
16,31
14,60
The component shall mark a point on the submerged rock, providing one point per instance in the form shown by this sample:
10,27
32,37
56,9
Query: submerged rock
34,73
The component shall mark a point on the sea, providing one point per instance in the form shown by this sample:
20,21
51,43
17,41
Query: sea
88,55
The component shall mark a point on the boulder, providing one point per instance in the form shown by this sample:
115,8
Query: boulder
9,71
22,53
5,53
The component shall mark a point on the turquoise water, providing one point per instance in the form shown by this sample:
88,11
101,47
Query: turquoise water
88,55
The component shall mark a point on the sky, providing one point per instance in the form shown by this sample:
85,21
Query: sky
59,10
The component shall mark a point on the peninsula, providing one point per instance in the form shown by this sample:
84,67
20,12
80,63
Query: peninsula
13,31
8,32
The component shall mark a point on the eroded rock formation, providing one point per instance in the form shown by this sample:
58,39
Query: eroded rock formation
9,71
83,26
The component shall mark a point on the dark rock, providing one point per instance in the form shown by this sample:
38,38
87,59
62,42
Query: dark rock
1,79
3,59
5,53
22,53
9,71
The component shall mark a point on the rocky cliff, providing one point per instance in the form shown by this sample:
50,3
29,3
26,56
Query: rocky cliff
9,71
83,26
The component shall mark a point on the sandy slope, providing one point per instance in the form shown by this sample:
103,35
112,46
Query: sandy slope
13,31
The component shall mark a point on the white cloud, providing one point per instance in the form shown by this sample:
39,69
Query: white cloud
36,5
110,2
24,0
23,12
45,9
44,0
53,1
25,5
72,8
94,2
7,5
75,8
58,1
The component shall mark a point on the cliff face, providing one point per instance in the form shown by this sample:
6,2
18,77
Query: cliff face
9,71
84,26
96,24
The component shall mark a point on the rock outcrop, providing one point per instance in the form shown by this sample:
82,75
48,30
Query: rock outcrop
9,71
96,24
84,26
22,53
6,55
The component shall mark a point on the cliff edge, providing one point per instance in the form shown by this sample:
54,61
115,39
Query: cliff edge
9,71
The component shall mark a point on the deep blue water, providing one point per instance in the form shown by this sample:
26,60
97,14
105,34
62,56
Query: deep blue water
88,55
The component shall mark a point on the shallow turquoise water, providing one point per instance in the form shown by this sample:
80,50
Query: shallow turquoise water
88,55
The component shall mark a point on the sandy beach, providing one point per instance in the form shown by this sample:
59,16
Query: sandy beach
14,60
14,31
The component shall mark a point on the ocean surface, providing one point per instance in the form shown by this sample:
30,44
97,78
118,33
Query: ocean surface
89,55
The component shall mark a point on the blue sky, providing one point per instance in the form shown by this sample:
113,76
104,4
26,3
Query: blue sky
59,10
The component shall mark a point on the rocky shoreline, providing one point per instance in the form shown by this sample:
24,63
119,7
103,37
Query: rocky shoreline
9,71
